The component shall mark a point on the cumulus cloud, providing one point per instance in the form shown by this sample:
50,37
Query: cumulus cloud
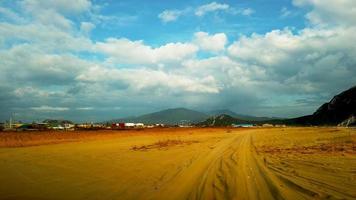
62,6
329,12
211,7
139,80
123,50
52,12
306,61
48,38
214,43
36,67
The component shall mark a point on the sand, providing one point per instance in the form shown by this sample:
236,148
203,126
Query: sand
181,163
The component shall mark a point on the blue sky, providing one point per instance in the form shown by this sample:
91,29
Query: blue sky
97,60
139,20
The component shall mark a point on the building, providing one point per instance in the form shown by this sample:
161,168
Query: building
139,125
242,125
11,125
267,125
130,125
120,125
59,124
123,125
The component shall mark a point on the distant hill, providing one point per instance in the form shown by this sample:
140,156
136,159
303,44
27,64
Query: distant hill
340,109
56,122
239,116
221,120
169,116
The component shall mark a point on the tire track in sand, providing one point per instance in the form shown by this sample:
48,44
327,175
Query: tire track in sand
236,174
231,171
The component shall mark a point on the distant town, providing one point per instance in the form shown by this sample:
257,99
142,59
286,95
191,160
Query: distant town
67,125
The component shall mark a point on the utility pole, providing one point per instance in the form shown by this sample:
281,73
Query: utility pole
10,125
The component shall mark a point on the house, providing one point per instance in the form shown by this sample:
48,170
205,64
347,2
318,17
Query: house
139,125
243,125
68,126
267,125
59,124
120,125
130,125
40,126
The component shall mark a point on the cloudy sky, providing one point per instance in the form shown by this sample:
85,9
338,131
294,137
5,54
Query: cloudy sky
98,60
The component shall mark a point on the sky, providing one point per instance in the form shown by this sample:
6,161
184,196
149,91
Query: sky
98,60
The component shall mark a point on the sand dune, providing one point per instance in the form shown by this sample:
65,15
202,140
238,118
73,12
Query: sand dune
276,163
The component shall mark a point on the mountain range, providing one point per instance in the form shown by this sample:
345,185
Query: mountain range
239,116
186,116
340,110
169,116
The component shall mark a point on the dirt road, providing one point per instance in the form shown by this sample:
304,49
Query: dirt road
234,170
230,171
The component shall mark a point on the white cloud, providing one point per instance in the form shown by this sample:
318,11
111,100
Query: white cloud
38,68
306,61
140,80
85,108
53,12
62,6
31,92
86,27
247,11
211,7
46,108
170,15
241,11
51,18
48,38
12,16
214,43
330,12
173,15
125,51
267,49
285,12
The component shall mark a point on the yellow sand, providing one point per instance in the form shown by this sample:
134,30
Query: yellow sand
274,163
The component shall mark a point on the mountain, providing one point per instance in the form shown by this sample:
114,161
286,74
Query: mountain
222,120
351,121
170,116
239,116
339,110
